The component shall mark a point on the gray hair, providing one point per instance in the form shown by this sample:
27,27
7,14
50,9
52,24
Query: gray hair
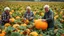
46,6
6,8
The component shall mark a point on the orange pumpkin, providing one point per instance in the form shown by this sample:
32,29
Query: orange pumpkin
24,24
25,21
16,25
12,19
17,17
10,13
7,24
41,24
34,33
12,10
41,14
2,34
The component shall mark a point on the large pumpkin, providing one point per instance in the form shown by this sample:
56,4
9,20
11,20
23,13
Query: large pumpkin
39,24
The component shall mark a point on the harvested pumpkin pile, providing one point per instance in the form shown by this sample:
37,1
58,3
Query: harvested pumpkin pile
20,27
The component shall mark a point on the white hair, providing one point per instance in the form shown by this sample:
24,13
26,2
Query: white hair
6,8
46,6
28,7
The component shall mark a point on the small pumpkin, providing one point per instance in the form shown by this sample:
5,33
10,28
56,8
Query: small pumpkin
2,33
16,25
18,17
10,13
34,33
23,25
12,19
28,31
25,21
7,24
12,10
41,14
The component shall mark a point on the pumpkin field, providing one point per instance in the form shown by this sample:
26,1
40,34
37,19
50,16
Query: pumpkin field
19,27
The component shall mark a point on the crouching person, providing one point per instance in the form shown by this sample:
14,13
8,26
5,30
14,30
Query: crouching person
29,14
5,16
48,17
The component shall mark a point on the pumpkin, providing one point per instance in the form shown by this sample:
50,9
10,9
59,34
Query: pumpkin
10,13
34,33
12,10
12,19
23,24
41,14
39,24
16,25
2,34
26,21
7,24
17,17
28,31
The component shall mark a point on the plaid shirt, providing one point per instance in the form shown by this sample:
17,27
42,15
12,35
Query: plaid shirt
5,17
29,15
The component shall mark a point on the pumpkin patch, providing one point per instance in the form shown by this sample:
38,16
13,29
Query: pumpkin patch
19,26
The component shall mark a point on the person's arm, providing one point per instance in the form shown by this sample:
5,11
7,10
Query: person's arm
50,17
32,17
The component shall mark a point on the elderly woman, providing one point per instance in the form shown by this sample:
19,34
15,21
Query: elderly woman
29,14
48,16
5,16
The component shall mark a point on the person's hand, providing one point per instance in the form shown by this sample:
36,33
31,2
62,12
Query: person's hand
31,18
43,19
24,18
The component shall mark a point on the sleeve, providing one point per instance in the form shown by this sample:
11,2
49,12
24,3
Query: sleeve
8,17
33,15
50,17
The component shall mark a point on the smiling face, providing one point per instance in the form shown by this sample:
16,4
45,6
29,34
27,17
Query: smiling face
7,11
28,10
46,9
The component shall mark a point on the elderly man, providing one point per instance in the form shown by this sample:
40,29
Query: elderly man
48,17
5,16
29,14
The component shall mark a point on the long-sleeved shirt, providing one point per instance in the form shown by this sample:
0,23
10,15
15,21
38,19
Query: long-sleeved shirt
49,18
5,16
29,15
